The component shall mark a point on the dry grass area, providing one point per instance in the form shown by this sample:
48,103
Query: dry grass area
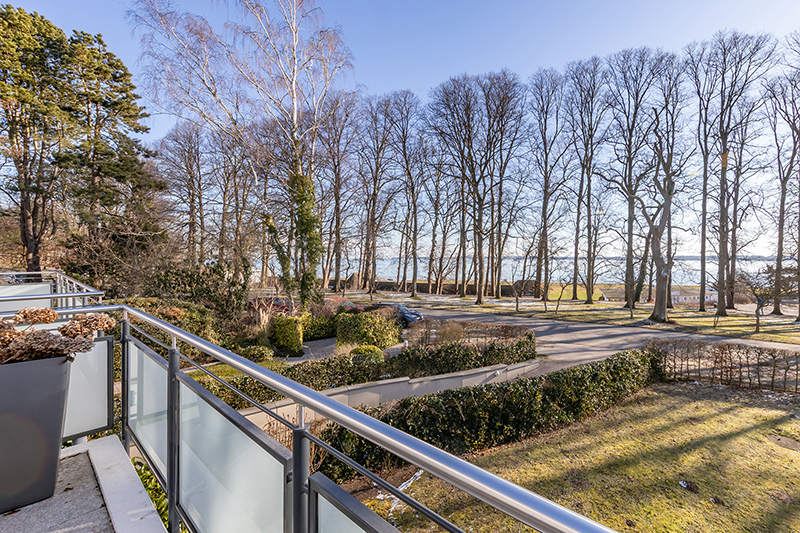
625,468
739,324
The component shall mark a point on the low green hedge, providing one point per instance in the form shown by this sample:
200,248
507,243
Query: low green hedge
457,357
367,353
256,353
366,328
343,370
473,418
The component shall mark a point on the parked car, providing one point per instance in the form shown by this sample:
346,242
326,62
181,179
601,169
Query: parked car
407,316
278,304
341,302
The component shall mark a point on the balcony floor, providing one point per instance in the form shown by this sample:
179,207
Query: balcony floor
77,504
97,491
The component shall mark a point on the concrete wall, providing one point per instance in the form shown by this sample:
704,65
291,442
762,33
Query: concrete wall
375,393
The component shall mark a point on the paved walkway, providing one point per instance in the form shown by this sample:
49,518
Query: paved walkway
568,344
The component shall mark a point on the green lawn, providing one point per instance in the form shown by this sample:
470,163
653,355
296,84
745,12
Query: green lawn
623,468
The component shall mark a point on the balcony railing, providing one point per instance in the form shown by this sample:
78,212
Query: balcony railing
221,472
44,289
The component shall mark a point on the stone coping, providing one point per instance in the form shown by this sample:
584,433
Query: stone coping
126,499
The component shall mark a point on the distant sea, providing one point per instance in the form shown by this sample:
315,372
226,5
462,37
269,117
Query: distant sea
609,270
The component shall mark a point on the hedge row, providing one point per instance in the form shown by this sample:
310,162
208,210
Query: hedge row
473,418
457,357
344,370
288,332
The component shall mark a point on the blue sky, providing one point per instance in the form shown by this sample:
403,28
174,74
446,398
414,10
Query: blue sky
416,44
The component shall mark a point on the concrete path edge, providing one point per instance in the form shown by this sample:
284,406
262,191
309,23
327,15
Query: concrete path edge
126,499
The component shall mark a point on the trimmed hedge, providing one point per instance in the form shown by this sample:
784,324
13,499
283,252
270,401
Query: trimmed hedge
318,327
473,418
457,357
343,370
287,333
366,328
256,353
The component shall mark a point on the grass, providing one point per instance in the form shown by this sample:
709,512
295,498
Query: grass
226,372
623,468
739,324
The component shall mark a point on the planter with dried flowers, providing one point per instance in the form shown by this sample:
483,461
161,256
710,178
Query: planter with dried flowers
34,374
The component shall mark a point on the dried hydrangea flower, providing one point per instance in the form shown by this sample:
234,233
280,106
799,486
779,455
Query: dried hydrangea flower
85,326
35,315
43,344
29,344
8,333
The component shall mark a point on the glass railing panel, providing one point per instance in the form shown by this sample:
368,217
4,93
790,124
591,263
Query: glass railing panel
90,393
334,510
147,403
25,289
233,477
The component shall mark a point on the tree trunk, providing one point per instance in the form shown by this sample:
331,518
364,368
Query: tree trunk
776,296
703,234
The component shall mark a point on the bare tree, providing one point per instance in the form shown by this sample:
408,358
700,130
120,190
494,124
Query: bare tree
783,115
410,154
504,99
548,149
457,117
281,66
671,157
631,75
378,180
183,163
725,70
338,136
587,104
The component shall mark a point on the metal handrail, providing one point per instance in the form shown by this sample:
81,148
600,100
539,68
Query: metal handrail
515,501
51,296
55,273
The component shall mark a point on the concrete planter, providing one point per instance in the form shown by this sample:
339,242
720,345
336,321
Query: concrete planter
32,407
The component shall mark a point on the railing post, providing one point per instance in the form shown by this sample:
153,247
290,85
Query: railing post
301,457
173,439
124,380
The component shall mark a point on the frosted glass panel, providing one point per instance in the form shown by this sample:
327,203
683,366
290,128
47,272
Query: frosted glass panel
332,520
24,289
147,405
87,396
227,481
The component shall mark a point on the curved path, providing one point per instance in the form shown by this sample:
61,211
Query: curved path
573,343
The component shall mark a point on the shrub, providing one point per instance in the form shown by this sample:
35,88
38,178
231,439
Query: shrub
455,357
318,327
367,353
194,318
366,328
365,349
287,334
256,353
473,418
344,369
212,284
